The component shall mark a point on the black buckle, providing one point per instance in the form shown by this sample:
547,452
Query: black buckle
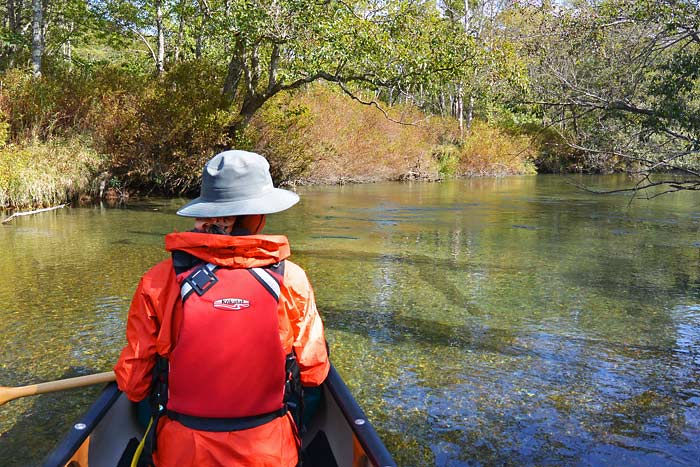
202,280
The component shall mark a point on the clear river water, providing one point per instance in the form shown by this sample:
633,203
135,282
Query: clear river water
481,322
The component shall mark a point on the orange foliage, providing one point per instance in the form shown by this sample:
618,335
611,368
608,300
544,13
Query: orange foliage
346,141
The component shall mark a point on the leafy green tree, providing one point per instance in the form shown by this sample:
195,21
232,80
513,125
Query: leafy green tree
281,45
625,76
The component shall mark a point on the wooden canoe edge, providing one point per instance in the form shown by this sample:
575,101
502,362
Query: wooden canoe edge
363,430
80,458
79,432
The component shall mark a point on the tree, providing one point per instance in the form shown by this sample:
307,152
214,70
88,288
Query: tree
626,75
494,61
282,45
37,36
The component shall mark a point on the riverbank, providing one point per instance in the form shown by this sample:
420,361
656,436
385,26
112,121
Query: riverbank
107,134
39,174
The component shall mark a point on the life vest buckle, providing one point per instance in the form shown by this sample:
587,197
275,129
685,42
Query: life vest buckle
202,280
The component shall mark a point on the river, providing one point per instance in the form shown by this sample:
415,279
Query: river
511,321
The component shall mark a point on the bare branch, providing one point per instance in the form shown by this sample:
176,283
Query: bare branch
374,103
204,7
650,164
645,185
680,136
145,41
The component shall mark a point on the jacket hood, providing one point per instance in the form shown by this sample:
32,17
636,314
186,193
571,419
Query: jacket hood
248,251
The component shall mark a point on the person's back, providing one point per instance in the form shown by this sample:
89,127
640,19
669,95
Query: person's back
231,318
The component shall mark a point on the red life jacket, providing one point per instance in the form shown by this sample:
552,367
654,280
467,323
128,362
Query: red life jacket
228,361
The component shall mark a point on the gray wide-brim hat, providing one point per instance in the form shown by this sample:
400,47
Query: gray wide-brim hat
236,183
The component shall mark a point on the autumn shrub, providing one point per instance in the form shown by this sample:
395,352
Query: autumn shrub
321,135
55,104
46,173
281,132
359,142
447,158
158,136
157,132
4,129
491,150
552,153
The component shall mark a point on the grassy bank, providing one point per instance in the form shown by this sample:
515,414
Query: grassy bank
39,174
151,135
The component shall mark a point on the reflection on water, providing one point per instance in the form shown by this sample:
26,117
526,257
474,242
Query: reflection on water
513,321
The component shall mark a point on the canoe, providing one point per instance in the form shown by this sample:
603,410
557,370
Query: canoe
338,435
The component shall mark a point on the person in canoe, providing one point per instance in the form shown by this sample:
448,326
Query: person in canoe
222,336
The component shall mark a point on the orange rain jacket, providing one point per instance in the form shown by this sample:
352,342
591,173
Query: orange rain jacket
154,319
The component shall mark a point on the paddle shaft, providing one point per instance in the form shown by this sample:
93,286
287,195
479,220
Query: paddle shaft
8,393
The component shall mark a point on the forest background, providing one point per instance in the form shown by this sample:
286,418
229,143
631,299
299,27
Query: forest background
119,97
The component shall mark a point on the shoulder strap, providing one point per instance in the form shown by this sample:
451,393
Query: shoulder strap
203,277
200,280
268,280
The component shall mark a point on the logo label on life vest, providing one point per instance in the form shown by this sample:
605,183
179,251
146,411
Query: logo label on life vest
231,304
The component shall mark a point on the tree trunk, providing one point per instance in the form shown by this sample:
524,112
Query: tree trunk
68,54
251,104
68,47
11,22
244,116
199,47
562,120
227,15
180,35
37,39
460,110
200,39
467,16
19,8
470,113
160,60
235,72
11,15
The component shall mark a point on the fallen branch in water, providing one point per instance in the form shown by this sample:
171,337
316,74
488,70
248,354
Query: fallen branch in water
26,213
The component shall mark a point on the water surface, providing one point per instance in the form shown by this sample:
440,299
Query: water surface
514,321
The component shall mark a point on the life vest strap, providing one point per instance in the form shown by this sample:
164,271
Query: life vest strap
225,424
267,280
203,278
200,280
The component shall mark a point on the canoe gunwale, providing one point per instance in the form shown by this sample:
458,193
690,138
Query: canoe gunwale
365,433
76,437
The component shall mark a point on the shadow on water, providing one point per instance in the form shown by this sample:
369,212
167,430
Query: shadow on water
438,273
402,259
605,278
34,434
528,426
388,327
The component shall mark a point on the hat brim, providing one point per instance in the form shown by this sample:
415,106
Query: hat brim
275,200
